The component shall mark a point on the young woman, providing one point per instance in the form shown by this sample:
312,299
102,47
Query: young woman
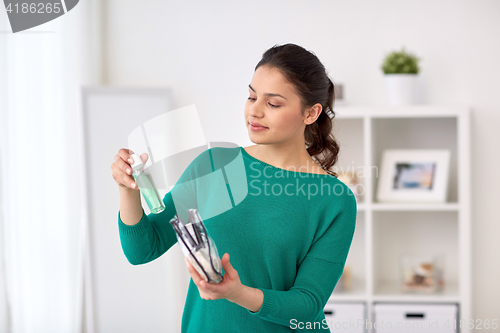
290,235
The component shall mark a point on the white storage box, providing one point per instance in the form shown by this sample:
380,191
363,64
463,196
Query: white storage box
413,318
345,317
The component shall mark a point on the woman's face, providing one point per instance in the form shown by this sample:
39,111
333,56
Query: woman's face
273,103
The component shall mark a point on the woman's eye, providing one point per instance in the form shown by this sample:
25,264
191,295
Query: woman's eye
271,105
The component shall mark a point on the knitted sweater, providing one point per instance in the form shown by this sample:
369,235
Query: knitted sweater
288,234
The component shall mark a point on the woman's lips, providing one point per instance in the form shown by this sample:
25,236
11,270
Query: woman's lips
258,128
256,124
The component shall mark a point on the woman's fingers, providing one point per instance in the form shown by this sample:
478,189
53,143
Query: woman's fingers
202,284
125,154
122,165
122,171
198,279
144,157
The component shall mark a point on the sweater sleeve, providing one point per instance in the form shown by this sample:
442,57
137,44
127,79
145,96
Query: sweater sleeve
153,235
318,273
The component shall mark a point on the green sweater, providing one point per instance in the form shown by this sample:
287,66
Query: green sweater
288,234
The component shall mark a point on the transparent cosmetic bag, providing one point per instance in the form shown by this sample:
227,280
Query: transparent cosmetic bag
197,245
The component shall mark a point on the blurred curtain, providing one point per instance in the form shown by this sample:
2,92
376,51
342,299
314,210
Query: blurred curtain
42,215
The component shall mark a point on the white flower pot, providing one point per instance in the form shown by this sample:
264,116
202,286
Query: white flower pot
401,89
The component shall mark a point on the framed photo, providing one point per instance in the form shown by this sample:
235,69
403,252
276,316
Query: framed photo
414,176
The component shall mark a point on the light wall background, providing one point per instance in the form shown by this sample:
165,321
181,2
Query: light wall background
206,51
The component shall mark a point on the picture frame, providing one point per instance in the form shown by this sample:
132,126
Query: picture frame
414,176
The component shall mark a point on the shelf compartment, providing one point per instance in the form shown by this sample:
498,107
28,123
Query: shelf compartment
349,134
389,291
415,133
398,233
356,262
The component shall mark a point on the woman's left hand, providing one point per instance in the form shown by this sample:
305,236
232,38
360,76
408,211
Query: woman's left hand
229,288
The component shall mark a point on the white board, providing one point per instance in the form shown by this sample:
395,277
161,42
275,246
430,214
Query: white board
123,297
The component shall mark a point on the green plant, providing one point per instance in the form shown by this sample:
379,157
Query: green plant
400,63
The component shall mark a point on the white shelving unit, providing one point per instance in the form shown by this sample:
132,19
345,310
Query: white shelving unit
385,231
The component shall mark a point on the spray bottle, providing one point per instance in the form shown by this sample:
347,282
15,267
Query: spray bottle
143,181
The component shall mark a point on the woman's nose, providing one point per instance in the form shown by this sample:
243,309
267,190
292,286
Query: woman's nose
257,109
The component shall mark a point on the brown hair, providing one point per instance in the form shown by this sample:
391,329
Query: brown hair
304,70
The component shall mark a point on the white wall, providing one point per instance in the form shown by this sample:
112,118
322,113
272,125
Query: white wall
206,52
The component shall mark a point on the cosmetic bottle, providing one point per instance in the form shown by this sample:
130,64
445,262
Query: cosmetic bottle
143,181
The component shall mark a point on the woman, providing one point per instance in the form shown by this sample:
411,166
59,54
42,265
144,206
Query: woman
288,242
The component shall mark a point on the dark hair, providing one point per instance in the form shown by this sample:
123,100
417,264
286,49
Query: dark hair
304,70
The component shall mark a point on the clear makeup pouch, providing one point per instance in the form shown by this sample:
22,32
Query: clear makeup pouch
197,245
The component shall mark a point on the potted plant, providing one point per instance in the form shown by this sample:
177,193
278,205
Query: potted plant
400,70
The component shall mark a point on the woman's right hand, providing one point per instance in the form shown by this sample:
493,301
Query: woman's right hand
122,170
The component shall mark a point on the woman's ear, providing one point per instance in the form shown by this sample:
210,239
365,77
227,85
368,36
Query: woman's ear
313,113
